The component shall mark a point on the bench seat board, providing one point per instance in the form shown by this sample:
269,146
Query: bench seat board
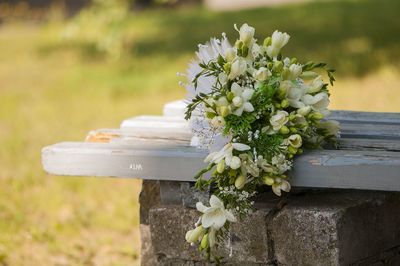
375,170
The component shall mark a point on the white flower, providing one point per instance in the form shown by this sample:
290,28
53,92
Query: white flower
238,68
295,141
246,33
294,92
279,119
262,74
281,185
319,102
226,154
195,235
304,110
331,126
241,99
315,85
230,54
278,40
295,71
218,122
216,215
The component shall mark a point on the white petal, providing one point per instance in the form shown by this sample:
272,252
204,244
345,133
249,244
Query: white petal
210,157
220,220
248,107
240,147
229,216
277,190
285,186
236,89
215,202
201,207
235,163
207,220
239,111
247,94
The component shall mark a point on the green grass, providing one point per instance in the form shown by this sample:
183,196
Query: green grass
52,91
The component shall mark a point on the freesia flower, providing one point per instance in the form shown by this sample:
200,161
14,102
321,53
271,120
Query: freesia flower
294,92
246,33
282,185
294,71
226,154
216,215
238,68
295,140
218,121
230,54
319,102
279,119
241,99
261,74
278,40
331,126
315,85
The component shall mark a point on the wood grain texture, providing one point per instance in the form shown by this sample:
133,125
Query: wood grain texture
375,170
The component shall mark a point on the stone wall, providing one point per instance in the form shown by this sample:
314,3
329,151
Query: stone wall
307,227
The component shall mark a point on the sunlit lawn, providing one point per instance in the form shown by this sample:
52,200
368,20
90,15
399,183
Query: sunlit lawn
50,92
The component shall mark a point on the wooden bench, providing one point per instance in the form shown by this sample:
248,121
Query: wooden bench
354,219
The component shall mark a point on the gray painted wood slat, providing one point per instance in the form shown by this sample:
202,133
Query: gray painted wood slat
376,170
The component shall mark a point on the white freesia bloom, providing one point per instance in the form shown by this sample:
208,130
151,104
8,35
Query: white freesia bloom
281,185
295,141
319,102
238,68
278,40
316,85
241,99
226,154
246,33
294,92
230,54
218,122
216,215
261,74
331,126
279,119
295,71
303,111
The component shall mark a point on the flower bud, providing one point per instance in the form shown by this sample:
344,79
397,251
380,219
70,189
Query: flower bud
317,115
204,242
268,180
240,181
292,150
284,103
284,130
230,96
293,60
194,235
221,166
210,115
278,65
307,75
267,41
224,111
293,130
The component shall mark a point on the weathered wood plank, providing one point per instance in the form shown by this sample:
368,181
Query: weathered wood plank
374,170
177,108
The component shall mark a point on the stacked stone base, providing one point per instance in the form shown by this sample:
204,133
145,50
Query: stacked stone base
309,227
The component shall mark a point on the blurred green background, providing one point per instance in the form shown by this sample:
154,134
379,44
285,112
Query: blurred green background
64,72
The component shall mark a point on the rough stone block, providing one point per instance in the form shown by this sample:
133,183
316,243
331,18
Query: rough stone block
246,242
336,227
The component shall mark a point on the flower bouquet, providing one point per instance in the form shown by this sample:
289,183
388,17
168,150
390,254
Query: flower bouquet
254,110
